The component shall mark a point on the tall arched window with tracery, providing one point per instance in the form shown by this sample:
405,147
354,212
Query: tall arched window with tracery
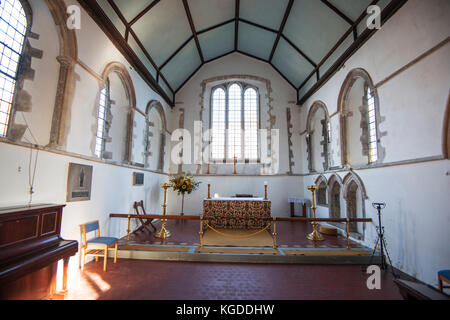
13,28
234,122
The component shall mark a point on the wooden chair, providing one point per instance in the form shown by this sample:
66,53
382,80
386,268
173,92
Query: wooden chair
98,246
138,206
443,276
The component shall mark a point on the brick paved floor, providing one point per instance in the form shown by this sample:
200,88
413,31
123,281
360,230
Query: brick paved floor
159,280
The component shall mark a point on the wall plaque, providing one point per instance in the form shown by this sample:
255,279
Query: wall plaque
138,179
79,182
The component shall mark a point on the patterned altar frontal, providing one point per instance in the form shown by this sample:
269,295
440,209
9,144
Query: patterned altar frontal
234,213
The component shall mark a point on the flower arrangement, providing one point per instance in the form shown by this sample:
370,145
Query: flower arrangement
184,184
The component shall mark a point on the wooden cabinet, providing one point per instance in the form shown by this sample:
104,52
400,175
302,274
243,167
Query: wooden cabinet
30,247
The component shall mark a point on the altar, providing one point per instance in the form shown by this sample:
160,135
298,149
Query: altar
237,213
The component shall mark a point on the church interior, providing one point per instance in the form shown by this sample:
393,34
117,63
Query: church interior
224,149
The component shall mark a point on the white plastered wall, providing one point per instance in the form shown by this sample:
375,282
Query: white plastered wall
412,107
112,189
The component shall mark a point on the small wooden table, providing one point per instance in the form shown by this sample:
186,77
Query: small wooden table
303,202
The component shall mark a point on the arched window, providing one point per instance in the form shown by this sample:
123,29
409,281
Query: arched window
102,124
115,115
13,28
372,124
360,117
318,138
156,136
234,122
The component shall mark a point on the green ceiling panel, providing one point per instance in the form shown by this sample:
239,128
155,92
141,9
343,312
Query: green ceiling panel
308,85
164,86
336,54
291,64
217,41
112,15
207,13
314,28
256,41
362,26
131,8
182,65
352,9
163,29
142,56
268,13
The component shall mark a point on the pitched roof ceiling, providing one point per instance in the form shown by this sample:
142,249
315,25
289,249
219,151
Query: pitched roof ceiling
169,40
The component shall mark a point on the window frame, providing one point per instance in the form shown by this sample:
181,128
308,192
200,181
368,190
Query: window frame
15,79
369,94
244,87
107,106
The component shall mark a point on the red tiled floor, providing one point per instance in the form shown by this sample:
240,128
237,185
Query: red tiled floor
158,280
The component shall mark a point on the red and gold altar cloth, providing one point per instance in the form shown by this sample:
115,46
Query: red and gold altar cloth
237,213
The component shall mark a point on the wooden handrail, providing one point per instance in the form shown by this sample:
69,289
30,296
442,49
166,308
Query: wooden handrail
197,218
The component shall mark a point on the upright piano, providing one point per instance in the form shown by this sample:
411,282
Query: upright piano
30,248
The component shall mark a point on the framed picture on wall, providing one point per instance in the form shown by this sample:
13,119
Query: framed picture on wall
138,179
79,182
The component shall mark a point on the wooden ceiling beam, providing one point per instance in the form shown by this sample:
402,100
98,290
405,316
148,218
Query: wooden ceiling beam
258,25
216,26
300,51
102,20
338,43
194,32
143,12
338,12
175,52
280,31
236,24
387,13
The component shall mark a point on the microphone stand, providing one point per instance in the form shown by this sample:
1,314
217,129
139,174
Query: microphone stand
385,263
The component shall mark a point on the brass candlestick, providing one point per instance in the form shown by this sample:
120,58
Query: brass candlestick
315,235
209,191
164,233
235,160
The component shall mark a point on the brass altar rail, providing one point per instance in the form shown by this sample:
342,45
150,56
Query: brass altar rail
273,220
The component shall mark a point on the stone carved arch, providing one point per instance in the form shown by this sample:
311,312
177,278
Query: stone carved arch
352,185
334,196
321,179
335,178
355,74
68,57
312,111
322,184
121,71
353,177
325,142
124,76
154,104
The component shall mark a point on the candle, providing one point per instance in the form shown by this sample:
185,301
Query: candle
266,183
